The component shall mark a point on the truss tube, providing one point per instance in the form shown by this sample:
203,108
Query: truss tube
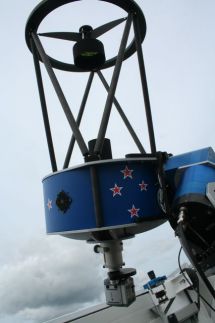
44,108
123,116
111,93
61,97
96,197
79,118
144,84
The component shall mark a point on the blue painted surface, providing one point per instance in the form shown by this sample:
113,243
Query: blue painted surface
155,282
80,215
174,163
116,209
193,157
194,180
186,174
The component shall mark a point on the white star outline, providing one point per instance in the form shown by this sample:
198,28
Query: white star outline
133,211
49,204
127,172
116,190
143,186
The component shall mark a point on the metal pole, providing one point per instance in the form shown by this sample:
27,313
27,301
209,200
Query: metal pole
61,97
78,120
111,93
44,107
123,116
144,84
96,197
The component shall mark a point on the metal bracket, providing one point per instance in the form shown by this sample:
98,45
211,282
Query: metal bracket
210,193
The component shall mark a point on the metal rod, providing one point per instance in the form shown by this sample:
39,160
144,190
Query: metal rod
44,107
123,116
61,97
144,84
96,197
111,93
78,120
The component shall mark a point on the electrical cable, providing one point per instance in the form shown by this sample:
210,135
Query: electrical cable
196,290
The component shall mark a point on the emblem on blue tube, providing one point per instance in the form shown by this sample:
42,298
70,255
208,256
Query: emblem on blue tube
63,201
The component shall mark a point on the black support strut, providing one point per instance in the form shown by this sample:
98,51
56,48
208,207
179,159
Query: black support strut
123,116
79,118
61,97
144,83
113,85
44,108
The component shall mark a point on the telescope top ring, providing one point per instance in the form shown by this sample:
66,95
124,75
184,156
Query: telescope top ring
47,6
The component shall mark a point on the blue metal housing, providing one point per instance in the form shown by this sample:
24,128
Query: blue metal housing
113,194
127,193
188,174
194,180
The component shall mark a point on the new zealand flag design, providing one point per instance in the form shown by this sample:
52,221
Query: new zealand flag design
127,193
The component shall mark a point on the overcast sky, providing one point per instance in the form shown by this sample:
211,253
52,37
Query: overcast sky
42,277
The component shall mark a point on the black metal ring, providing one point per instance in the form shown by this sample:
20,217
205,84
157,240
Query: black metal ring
47,6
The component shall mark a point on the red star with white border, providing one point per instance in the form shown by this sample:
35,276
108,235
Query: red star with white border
143,186
49,204
116,190
134,212
127,172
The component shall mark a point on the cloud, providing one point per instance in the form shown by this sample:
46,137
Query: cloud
50,277
155,250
